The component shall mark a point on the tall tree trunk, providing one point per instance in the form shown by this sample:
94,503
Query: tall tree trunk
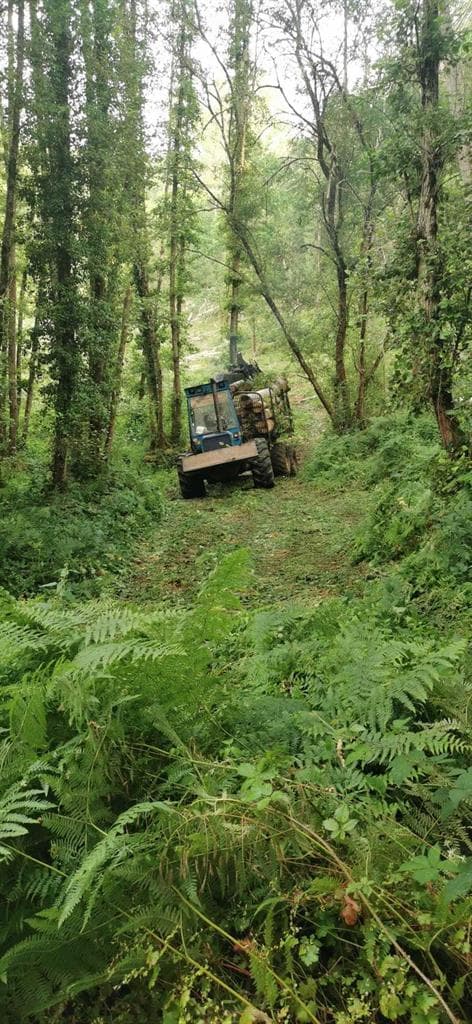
65,347
33,361
429,271
12,360
177,242
456,81
235,307
151,353
362,370
240,104
318,87
333,217
120,358
136,185
341,388
366,258
19,339
8,234
97,28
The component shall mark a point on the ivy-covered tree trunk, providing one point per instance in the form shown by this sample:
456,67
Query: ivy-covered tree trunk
135,156
102,212
366,271
118,372
58,206
7,251
179,189
439,365
176,245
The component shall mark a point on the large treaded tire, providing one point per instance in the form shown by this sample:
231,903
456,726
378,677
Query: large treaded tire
293,458
261,467
191,486
281,457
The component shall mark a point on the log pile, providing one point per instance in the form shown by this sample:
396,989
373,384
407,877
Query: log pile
262,413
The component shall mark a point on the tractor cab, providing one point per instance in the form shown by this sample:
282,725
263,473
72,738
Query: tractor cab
213,421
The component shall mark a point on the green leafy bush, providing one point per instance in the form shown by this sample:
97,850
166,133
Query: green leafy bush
172,841
75,538
397,445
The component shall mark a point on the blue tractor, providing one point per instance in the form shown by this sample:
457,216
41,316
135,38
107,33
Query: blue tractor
234,430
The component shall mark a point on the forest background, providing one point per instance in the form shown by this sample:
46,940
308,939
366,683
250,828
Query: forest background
180,182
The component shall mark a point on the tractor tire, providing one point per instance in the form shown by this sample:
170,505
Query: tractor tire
261,467
281,458
293,459
191,486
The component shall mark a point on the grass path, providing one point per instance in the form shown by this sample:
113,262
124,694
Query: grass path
299,534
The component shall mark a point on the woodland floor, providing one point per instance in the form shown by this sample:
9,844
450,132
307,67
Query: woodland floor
300,536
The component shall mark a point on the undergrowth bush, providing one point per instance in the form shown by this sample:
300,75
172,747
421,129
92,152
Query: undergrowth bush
419,513
206,816
75,538
397,445
215,817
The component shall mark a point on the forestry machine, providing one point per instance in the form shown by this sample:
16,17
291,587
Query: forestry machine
235,430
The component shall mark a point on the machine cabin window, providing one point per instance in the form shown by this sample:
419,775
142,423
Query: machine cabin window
203,413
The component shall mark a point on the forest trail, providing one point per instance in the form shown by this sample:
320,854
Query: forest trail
300,536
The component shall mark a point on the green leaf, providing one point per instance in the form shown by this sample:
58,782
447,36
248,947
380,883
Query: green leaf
309,951
390,1004
462,789
461,885
427,867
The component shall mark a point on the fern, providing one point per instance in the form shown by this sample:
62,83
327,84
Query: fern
17,806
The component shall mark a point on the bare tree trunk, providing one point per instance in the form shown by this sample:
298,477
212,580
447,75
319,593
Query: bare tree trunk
234,308
240,100
178,143
33,362
345,44
12,360
458,87
254,339
361,387
332,211
341,389
115,394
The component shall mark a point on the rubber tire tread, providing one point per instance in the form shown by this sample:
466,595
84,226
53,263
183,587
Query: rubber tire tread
293,459
261,467
190,486
281,461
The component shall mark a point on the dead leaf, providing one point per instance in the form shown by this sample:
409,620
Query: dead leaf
350,911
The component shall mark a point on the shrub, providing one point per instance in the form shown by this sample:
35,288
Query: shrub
75,538
165,833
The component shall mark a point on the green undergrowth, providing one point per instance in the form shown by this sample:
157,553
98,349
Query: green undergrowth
419,515
216,813
78,540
